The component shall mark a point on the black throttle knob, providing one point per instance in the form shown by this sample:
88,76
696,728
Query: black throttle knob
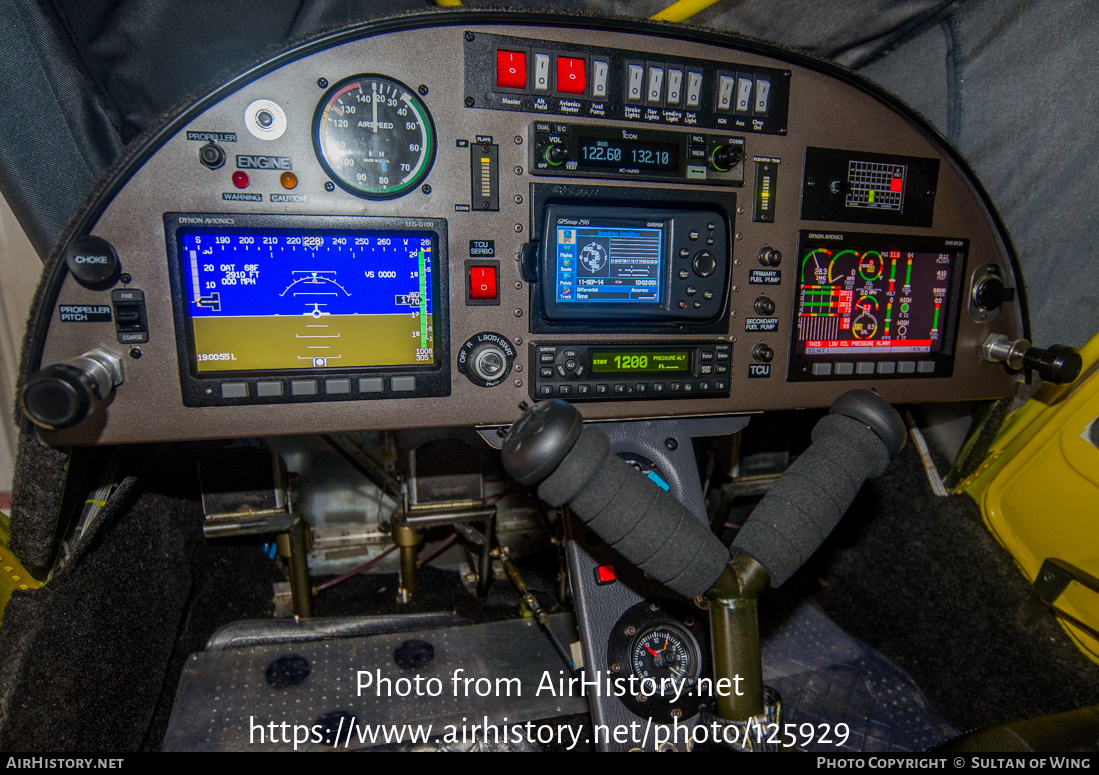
64,394
1057,363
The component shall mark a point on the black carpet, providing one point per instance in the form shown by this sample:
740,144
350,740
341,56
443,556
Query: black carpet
921,579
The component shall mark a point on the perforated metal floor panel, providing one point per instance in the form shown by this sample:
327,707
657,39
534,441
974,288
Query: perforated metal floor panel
263,697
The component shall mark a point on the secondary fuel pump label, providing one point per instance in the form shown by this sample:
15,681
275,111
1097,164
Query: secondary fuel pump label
755,325
84,313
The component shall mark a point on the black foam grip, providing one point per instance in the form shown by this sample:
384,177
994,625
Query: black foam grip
806,503
636,518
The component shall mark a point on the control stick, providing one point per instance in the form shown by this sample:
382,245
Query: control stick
647,526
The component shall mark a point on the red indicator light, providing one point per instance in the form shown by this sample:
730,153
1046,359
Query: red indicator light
895,184
511,69
240,179
604,574
482,282
571,75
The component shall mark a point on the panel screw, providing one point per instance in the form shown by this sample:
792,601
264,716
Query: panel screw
469,36
740,211
736,262
739,235
616,668
322,82
125,278
518,313
733,313
135,352
518,383
671,444
425,188
518,367
422,89
736,289
518,286
330,186
631,630
470,102
518,340
518,199
518,170
518,139
518,228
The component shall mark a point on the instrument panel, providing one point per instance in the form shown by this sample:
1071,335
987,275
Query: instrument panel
429,221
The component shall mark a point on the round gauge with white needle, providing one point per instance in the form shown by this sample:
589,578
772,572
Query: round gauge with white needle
374,136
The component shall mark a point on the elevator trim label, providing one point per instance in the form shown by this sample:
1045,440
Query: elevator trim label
84,313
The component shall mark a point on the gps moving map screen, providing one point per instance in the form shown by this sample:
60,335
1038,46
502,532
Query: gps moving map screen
871,297
611,263
269,300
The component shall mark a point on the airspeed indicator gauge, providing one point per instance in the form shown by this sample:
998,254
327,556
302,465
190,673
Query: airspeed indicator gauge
374,136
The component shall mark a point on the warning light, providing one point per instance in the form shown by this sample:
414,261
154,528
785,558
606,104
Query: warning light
240,179
896,184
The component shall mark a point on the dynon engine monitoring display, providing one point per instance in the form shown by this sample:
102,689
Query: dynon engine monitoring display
274,299
612,263
873,304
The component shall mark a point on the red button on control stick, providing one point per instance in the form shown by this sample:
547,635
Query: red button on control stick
511,69
571,77
482,282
